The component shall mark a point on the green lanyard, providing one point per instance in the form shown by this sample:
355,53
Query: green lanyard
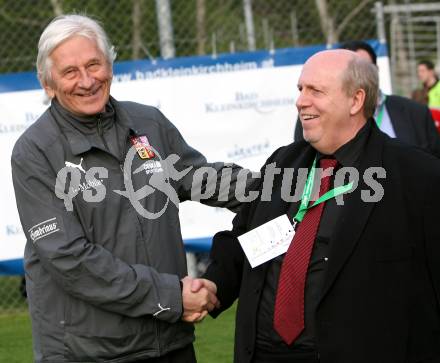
307,193
380,114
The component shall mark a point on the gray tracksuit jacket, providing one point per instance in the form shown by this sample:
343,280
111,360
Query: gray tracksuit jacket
104,251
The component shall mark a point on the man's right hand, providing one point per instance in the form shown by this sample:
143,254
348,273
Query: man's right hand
198,296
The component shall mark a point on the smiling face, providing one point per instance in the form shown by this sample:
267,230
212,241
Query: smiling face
81,76
329,116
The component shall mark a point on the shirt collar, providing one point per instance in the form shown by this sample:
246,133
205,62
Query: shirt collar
435,84
349,153
381,99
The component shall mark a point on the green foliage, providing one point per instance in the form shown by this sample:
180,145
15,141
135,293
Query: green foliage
277,23
22,21
222,30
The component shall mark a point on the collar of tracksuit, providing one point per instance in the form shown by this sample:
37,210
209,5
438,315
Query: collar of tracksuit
85,132
87,125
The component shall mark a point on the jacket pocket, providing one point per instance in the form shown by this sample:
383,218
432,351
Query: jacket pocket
93,333
84,348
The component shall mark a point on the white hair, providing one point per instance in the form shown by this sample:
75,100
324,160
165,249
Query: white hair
64,27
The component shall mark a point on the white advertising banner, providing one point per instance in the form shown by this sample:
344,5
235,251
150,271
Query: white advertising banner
235,108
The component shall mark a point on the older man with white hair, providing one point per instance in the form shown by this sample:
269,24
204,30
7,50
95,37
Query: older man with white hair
94,178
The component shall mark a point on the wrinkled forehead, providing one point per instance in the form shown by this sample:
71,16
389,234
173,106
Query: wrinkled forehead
72,43
76,49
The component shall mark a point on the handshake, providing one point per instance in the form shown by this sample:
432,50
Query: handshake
199,298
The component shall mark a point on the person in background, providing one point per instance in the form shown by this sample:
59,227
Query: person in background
397,116
430,93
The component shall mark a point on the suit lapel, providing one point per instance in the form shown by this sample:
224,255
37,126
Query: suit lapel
403,127
355,214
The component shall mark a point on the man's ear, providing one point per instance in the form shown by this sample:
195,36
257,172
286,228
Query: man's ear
48,88
358,102
49,91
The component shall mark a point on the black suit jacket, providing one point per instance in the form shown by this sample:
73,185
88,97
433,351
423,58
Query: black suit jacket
380,300
412,123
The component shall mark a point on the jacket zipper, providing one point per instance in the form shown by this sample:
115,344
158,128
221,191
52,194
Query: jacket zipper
121,165
100,131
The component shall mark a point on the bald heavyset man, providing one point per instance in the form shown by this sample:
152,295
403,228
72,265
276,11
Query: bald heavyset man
360,281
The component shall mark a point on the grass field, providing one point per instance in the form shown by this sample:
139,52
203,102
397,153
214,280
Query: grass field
214,341
15,339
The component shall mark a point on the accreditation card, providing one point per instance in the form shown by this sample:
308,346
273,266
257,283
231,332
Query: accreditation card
267,241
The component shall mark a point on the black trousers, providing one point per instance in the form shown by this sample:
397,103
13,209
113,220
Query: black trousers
183,355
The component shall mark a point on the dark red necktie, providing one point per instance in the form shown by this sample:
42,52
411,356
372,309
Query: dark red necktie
289,303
